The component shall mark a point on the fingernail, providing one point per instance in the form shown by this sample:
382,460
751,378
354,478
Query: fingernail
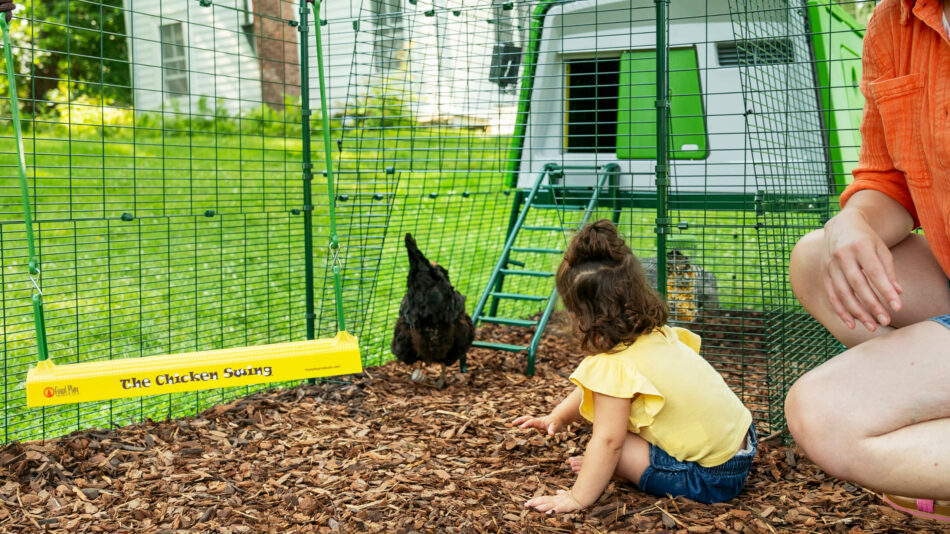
882,318
869,326
895,304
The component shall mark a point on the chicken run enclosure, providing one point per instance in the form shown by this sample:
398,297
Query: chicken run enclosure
176,152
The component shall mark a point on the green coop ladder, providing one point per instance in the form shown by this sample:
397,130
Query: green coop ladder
543,195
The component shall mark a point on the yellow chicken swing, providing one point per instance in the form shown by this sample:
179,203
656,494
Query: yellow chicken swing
50,384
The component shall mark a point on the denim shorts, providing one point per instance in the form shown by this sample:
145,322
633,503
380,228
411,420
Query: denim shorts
943,319
668,476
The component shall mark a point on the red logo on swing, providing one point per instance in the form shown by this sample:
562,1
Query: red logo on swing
49,392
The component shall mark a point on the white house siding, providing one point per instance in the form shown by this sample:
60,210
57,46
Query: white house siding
222,67
446,60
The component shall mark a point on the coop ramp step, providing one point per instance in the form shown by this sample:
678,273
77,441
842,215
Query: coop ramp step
536,250
518,296
523,272
508,321
499,346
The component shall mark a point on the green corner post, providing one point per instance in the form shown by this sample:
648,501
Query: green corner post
34,265
308,166
328,161
664,224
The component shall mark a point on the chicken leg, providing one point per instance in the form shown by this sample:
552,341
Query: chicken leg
440,383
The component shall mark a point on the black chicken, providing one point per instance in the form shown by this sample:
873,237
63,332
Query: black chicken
432,326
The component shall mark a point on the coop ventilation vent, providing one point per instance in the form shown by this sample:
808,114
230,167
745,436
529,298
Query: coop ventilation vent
751,52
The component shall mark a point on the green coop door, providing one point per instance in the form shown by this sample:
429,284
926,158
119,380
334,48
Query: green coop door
837,41
636,117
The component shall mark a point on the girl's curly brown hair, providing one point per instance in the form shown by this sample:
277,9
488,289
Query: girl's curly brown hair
604,287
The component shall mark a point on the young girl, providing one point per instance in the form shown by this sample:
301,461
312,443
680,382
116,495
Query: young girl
663,418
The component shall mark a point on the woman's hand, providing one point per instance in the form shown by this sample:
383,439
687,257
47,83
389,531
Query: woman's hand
548,423
562,502
858,271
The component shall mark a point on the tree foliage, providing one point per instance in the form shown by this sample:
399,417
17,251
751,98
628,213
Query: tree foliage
71,49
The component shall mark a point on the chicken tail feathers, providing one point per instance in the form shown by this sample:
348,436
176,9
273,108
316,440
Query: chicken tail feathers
416,258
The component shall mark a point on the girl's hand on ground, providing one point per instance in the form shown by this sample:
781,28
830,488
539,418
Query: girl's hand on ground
563,502
547,423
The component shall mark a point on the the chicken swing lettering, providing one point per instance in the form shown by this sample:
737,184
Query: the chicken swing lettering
193,376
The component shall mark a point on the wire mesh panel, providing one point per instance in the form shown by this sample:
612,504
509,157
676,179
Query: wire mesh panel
423,101
446,113
163,143
445,106
593,101
799,64
166,155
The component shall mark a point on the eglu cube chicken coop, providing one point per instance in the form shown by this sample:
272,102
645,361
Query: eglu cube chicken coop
490,130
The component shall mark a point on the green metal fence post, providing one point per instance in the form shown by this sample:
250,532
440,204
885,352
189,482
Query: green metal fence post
325,122
663,223
307,165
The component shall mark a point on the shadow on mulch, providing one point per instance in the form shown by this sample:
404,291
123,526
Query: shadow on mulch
385,455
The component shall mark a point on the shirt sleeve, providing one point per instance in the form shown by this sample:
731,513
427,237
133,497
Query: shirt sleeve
614,377
875,169
688,338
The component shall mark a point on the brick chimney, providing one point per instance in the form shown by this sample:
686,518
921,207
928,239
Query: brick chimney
277,51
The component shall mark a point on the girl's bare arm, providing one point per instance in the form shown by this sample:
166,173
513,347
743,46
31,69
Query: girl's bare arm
603,450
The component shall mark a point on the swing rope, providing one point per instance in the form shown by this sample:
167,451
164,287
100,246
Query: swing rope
34,264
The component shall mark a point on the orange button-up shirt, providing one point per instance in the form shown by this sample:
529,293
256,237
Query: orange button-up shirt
905,130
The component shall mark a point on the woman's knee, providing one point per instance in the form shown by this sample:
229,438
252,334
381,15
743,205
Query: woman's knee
815,426
797,408
801,267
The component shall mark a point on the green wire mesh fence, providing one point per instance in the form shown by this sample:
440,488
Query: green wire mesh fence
165,159
166,170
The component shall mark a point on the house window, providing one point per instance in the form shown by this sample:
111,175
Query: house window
592,93
389,38
174,59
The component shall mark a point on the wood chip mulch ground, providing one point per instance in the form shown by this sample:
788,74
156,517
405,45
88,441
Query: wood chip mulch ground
383,454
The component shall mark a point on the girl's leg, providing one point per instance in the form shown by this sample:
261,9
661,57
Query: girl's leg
634,459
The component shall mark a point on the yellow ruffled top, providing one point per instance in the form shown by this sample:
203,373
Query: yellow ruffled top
680,403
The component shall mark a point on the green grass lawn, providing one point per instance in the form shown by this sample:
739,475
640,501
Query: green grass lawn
213,256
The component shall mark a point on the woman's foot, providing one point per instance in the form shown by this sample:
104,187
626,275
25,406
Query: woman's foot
930,509
575,463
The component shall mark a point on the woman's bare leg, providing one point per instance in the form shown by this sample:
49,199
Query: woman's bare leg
926,292
879,414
